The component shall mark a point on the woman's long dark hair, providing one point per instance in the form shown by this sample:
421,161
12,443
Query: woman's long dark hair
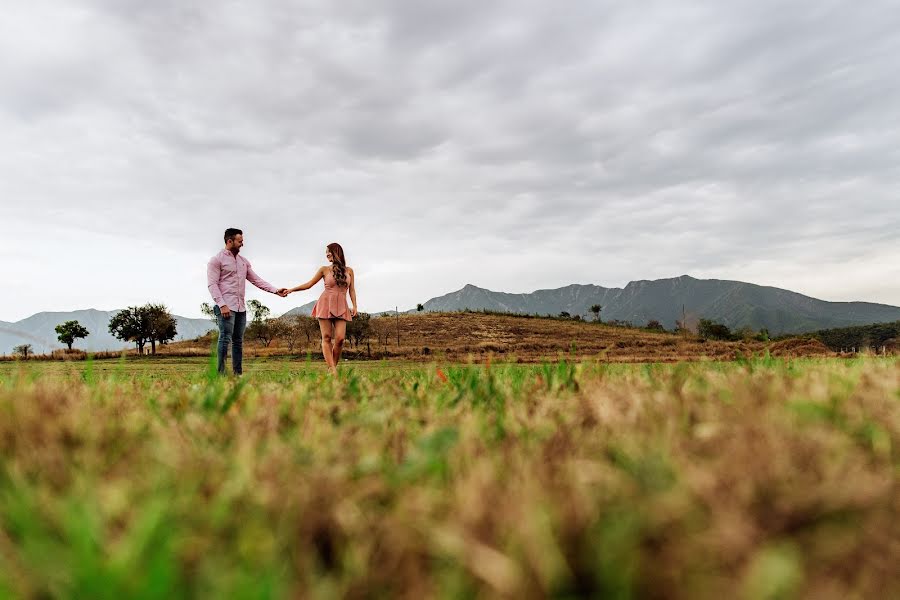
338,264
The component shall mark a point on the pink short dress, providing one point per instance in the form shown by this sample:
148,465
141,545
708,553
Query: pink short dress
332,304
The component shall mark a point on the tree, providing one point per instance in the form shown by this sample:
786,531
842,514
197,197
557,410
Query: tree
293,331
261,328
565,315
131,325
69,331
420,307
141,324
24,350
596,308
382,327
709,329
260,311
654,325
278,328
745,333
262,331
359,329
311,328
162,325
207,309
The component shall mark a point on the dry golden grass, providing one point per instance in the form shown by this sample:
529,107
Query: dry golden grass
463,337
758,479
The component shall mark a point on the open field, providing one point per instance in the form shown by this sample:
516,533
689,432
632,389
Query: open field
477,337
759,478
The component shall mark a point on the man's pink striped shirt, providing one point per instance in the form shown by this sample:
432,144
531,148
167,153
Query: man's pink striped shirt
227,275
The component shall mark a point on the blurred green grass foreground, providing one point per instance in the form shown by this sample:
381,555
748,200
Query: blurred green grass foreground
756,479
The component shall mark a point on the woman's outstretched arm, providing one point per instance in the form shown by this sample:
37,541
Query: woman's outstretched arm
353,291
308,284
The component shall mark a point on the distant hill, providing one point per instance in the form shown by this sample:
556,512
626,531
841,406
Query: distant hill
38,330
306,309
734,303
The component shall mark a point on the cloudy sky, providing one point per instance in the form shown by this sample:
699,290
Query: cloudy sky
515,145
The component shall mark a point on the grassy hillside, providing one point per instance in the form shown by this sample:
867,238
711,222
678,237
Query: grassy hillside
465,336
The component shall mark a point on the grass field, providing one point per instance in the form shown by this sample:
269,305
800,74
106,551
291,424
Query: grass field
758,478
464,337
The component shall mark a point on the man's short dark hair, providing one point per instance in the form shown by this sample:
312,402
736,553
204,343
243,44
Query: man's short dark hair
231,232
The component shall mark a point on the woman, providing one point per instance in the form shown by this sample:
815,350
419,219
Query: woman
331,308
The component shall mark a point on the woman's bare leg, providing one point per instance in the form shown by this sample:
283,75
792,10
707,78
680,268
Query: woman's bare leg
327,329
340,334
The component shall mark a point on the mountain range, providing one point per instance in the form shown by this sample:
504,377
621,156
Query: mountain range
306,309
38,330
734,303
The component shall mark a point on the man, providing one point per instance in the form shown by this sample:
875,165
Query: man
226,274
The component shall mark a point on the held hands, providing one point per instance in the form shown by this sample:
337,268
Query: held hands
283,292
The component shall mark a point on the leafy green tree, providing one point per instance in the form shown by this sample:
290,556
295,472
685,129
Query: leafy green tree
260,311
69,331
131,325
141,324
596,308
420,307
711,330
565,315
163,326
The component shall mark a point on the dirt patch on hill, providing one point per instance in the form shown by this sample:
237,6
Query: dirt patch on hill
463,337
797,347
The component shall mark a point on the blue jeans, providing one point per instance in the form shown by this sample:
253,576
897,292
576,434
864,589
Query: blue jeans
231,331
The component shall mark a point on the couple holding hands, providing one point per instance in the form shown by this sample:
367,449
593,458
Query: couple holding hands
227,273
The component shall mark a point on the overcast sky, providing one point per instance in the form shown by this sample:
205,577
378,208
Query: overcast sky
514,145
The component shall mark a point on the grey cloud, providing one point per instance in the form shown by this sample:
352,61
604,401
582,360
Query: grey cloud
707,131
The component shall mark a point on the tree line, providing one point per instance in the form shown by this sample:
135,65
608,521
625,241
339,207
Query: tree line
875,335
141,325
299,331
153,324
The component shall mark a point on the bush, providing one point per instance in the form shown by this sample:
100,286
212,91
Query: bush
654,325
710,330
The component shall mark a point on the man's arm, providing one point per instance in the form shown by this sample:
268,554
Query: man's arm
262,284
